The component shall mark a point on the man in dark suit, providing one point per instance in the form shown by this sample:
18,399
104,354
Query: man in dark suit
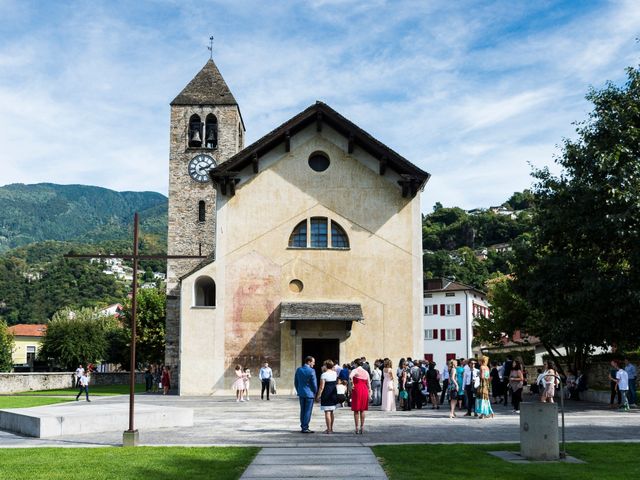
306,387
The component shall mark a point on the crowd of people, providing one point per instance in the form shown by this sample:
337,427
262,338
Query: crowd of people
467,384
157,378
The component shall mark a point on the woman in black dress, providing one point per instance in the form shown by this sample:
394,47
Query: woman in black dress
496,383
327,394
433,385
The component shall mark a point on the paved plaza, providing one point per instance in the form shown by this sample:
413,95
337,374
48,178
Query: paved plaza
223,421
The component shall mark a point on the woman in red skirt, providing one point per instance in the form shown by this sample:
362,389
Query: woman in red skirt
360,394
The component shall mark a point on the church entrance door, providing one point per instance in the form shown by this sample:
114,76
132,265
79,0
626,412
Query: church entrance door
321,349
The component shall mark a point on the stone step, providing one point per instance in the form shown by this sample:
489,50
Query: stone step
52,421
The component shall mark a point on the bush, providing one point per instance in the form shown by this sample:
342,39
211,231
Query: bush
6,347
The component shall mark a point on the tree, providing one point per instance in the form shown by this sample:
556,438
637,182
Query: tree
150,324
520,200
580,269
6,348
75,337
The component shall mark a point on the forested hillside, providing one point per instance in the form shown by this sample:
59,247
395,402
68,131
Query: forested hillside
469,246
45,211
40,223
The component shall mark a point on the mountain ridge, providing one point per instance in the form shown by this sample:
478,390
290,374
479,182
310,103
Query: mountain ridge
31,213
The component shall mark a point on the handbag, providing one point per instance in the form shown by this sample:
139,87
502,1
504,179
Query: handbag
404,395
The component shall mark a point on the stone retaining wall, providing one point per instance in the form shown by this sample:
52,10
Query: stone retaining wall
25,382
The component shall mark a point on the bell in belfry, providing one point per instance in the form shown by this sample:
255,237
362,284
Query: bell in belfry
211,136
195,136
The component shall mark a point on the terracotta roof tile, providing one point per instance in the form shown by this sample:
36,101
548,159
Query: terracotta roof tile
28,330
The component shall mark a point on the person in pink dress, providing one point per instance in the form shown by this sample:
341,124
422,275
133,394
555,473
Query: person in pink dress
388,387
360,394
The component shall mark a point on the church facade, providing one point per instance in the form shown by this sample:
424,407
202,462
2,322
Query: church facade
311,237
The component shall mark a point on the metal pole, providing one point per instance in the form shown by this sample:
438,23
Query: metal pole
132,382
563,453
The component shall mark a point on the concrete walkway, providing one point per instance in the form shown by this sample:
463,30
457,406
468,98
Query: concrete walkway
315,462
223,421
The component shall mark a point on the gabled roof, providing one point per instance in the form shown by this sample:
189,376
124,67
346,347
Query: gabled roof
413,178
28,330
448,285
207,88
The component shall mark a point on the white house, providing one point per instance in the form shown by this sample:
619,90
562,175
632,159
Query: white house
449,310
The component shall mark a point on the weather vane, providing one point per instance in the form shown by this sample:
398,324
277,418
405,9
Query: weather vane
210,47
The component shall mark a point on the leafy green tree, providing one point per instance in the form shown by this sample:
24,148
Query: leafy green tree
6,348
520,200
118,345
579,272
150,324
75,337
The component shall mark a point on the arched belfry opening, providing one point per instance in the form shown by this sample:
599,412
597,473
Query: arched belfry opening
211,131
205,292
195,131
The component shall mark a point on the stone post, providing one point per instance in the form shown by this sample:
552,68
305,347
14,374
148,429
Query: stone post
539,431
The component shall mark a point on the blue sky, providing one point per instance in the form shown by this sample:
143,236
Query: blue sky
473,92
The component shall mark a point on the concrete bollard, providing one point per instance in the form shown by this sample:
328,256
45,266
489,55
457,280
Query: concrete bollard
539,431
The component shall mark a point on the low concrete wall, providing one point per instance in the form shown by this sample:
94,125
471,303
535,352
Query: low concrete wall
596,396
25,382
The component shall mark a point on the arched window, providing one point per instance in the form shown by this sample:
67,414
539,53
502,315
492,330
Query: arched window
195,131
339,237
319,234
211,131
298,238
202,211
205,292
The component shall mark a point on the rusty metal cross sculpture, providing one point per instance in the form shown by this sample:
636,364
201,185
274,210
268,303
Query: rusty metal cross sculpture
135,257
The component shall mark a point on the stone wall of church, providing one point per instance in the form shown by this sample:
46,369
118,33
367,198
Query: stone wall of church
186,234
255,268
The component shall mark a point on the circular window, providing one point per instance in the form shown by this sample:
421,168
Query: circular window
296,286
319,161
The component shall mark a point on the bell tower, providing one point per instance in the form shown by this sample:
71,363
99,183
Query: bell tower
206,129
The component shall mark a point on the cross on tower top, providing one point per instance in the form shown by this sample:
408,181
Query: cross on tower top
210,47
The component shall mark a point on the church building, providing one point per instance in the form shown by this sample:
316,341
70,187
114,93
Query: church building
311,242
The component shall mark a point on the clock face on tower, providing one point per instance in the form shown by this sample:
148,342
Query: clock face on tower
199,167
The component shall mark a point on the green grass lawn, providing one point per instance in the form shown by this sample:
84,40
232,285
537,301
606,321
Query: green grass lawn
14,401
97,390
149,463
604,461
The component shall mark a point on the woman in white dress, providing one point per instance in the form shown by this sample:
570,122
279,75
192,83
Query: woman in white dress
388,388
238,385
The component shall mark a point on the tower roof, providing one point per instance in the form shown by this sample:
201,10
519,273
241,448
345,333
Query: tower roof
207,88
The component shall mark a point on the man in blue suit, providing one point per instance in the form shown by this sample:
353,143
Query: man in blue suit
306,387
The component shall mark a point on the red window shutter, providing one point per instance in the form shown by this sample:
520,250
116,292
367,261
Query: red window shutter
458,334
435,333
442,309
443,336
457,309
451,356
428,357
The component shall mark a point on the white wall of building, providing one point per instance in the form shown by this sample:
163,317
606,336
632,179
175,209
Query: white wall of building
456,323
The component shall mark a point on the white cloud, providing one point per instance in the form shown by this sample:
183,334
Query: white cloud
471,93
